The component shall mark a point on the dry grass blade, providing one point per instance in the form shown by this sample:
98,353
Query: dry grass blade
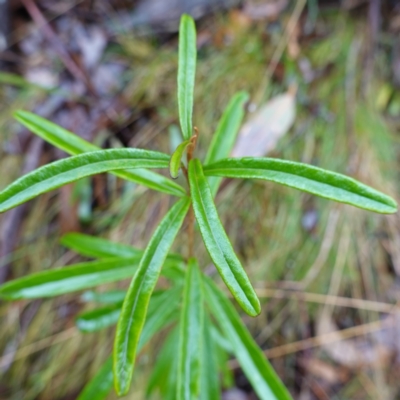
39,345
328,299
321,340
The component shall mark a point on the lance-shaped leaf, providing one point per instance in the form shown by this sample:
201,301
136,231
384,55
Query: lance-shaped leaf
305,177
152,180
110,297
217,242
175,162
98,319
135,306
209,379
73,144
186,73
164,374
70,279
190,336
162,305
225,135
92,246
67,170
258,370
100,385
162,311
160,314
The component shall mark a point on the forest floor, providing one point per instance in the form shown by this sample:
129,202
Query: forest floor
324,83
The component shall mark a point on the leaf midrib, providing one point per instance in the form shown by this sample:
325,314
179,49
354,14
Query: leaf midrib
212,234
130,321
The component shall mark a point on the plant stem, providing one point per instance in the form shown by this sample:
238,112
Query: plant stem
191,219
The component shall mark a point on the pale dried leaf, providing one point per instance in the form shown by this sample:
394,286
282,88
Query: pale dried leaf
261,133
327,372
353,353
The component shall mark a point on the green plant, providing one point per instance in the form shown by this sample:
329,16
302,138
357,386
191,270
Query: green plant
203,323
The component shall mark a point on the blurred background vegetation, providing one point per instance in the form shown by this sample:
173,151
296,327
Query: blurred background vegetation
324,83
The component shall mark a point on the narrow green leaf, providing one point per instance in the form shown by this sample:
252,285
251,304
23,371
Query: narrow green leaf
217,242
175,162
209,381
225,136
308,178
100,385
71,169
152,180
161,313
98,319
190,337
258,370
70,279
54,134
164,374
73,144
186,73
17,80
110,297
162,305
93,246
137,299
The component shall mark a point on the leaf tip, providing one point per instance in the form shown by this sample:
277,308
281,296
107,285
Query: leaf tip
254,309
18,114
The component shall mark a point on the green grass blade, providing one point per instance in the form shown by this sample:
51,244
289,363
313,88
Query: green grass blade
71,169
217,242
190,336
175,162
308,178
135,306
225,136
92,246
73,144
186,73
70,279
100,385
258,370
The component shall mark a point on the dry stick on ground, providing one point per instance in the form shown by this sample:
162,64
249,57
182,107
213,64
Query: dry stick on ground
12,220
328,299
57,44
320,340
20,33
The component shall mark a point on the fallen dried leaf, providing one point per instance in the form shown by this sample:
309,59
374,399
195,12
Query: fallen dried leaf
261,133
